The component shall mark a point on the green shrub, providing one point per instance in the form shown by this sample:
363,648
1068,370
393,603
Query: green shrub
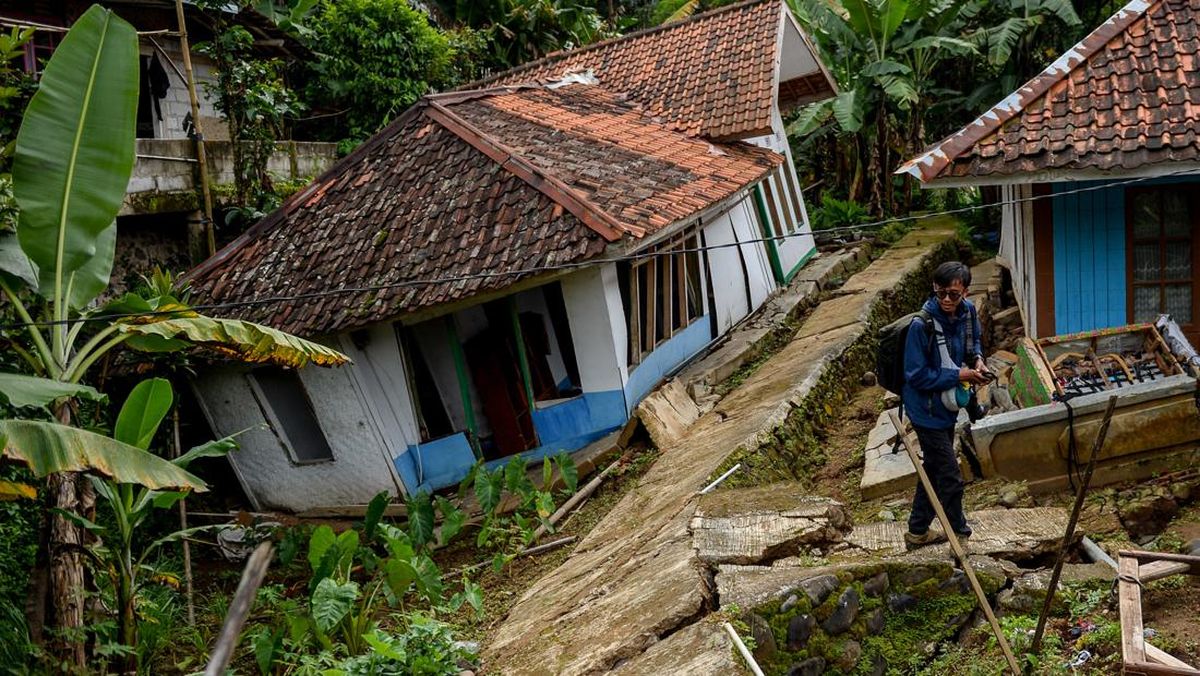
426,647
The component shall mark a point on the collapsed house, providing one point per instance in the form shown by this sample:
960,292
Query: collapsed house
514,266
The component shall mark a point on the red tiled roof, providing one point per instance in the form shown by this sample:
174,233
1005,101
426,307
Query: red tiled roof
1126,97
463,189
711,75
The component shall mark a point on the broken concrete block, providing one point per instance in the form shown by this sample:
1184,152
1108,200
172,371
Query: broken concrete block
667,413
753,525
701,648
819,588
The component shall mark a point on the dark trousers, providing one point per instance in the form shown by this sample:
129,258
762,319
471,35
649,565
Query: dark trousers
942,467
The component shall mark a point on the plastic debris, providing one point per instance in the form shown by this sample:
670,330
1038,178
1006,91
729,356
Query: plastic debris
1149,633
1080,659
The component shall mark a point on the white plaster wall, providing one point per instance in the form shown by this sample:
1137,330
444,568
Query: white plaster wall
358,471
380,374
597,321
797,59
729,289
758,264
793,249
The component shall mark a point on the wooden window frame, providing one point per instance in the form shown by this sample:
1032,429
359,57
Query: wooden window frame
1192,327
660,266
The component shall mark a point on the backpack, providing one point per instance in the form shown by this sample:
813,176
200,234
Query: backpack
889,354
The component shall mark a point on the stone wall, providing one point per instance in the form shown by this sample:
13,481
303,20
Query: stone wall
165,178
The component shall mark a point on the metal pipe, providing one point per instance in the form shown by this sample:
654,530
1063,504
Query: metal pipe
721,478
165,158
201,156
1096,554
737,641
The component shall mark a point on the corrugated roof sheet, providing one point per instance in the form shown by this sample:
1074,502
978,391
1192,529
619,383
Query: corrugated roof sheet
466,186
1126,97
711,75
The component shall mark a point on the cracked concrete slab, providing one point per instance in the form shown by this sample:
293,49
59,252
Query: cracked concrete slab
1003,533
636,577
702,648
752,525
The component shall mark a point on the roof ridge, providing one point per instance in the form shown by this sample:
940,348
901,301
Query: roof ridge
929,164
588,213
563,53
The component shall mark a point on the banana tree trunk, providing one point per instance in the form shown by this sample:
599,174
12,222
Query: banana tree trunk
67,583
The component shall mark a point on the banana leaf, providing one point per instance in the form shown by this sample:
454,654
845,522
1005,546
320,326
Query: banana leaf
75,152
21,390
242,340
49,447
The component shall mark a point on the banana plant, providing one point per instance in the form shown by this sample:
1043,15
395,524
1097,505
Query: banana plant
74,156
131,504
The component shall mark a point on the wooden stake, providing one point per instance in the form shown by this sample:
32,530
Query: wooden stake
580,495
201,155
1133,642
910,446
1080,493
183,524
239,609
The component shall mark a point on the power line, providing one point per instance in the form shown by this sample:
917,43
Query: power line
558,267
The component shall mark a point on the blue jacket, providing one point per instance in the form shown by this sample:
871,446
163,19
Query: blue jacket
924,376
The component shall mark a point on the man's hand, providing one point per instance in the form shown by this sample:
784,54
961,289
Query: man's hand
971,376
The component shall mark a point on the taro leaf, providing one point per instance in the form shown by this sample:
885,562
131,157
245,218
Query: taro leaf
347,545
242,340
400,575
453,519
20,390
143,412
498,562
429,578
331,602
568,470
266,643
547,473
75,153
319,542
486,491
545,504
50,447
515,479
420,519
398,542
473,594
374,514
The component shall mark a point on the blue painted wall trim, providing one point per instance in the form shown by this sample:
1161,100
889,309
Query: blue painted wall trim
1089,253
442,462
665,357
565,427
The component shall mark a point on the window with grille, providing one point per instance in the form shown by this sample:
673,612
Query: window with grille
662,295
783,205
1161,254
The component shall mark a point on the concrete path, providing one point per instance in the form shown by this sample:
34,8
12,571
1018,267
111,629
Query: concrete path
636,579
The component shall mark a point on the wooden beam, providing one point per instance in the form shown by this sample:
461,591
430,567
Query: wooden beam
1133,648
1157,570
1165,658
1140,555
1151,669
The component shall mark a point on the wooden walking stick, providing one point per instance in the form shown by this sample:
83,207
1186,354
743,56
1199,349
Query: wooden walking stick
910,445
1066,541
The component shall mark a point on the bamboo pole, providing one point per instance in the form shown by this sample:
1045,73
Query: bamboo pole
911,448
1036,645
201,156
183,524
581,495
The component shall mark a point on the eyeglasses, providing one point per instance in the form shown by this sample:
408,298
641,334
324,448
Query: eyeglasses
943,294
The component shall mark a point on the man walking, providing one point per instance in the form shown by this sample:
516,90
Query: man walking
939,360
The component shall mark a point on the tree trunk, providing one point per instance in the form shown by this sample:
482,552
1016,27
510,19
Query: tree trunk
62,590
